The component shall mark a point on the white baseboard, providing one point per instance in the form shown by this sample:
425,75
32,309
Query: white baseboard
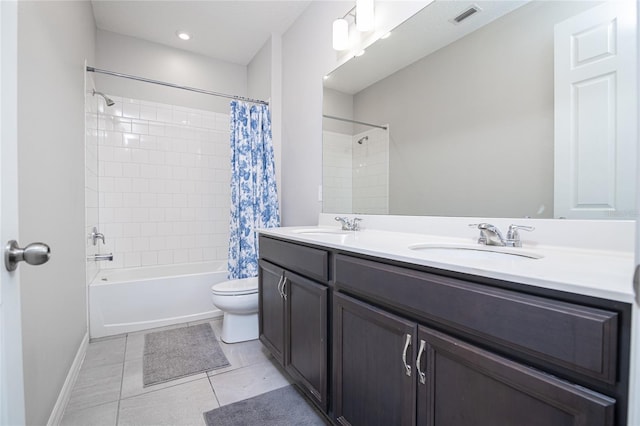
65,393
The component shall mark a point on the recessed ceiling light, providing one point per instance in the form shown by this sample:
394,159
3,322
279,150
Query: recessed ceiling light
326,77
360,53
387,35
183,35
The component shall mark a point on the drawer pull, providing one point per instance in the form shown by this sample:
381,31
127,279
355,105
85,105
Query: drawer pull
423,377
407,343
284,292
280,284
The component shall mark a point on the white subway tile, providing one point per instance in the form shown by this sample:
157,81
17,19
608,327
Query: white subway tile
131,170
148,112
132,260
122,155
149,258
164,115
140,127
195,255
140,185
165,257
140,244
180,256
157,214
123,245
149,228
130,110
156,129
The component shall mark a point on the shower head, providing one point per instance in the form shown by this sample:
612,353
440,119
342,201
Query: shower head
363,139
106,99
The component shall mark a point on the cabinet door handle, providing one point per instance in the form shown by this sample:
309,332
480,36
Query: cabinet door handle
279,284
407,343
423,378
284,292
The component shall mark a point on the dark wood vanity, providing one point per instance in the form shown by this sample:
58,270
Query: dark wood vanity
377,342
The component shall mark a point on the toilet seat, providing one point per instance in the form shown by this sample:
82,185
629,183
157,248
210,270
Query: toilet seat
236,287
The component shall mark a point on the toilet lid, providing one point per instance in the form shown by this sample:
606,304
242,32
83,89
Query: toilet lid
236,287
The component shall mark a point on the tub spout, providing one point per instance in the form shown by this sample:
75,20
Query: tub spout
100,257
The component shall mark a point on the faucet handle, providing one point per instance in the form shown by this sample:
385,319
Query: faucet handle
355,224
513,237
512,233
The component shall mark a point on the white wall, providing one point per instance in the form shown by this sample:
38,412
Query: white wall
54,38
307,57
130,55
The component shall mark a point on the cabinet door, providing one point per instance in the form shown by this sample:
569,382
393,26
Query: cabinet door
374,381
306,325
465,385
271,309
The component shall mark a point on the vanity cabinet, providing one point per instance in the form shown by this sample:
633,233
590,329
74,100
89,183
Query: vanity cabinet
391,370
413,345
293,314
394,318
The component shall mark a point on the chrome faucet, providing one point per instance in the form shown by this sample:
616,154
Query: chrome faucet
490,235
349,225
95,236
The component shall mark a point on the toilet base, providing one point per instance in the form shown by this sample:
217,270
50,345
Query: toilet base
239,328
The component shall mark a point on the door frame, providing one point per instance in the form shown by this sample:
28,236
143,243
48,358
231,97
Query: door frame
12,404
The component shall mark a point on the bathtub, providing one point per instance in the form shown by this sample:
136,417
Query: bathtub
125,300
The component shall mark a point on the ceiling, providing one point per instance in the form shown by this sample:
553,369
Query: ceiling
232,31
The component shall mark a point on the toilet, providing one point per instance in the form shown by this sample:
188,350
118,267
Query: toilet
238,299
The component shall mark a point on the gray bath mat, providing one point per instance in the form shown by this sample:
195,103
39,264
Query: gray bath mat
280,407
179,352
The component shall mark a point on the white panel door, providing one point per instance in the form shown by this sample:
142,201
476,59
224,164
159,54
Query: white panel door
11,377
596,113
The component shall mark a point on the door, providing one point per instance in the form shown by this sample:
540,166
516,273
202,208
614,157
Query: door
595,118
271,309
12,409
460,384
374,377
306,323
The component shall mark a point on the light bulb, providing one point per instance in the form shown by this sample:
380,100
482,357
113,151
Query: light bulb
364,15
340,34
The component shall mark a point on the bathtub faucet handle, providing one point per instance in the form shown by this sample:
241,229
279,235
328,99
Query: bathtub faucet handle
95,236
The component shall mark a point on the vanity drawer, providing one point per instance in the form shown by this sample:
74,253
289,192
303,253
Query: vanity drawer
578,338
311,262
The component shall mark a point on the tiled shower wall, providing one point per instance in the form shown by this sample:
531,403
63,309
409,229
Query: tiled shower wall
163,183
337,175
371,172
355,175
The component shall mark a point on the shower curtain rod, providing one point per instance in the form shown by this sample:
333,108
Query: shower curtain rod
354,121
175,86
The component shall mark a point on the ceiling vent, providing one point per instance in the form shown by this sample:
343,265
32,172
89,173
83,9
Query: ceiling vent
472,10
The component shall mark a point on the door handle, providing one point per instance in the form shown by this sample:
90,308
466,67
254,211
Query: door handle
421,374
33,254
407,343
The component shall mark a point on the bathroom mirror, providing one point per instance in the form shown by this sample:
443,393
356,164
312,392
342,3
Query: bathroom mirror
459,118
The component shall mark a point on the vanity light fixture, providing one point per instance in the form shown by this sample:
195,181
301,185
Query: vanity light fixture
364,18
364,15
340,34
183,35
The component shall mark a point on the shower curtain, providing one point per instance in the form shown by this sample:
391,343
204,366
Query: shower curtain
254,198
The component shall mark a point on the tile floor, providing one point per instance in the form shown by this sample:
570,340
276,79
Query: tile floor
109,388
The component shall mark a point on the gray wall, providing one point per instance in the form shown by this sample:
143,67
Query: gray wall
337,104
307,56
472,124
130,55
54,38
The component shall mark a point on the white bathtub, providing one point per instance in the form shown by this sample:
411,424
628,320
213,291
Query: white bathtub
125,300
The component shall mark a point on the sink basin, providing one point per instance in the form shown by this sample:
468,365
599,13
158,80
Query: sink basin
320,231
463,251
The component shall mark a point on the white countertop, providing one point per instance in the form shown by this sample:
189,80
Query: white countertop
598,273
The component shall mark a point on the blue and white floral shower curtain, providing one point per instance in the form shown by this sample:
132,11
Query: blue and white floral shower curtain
254,198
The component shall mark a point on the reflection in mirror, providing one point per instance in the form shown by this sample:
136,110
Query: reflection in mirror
472,115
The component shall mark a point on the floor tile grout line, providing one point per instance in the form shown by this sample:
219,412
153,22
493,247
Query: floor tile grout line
124,360
215,395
